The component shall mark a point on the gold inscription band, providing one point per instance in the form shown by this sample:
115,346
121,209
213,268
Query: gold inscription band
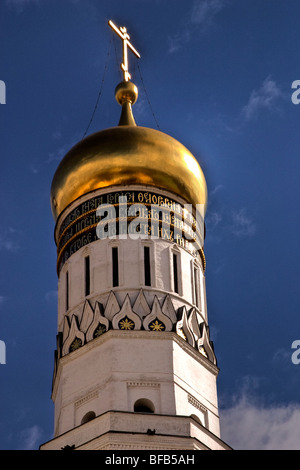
154,216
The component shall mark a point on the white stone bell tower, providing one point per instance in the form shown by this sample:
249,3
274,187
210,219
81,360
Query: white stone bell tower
134,366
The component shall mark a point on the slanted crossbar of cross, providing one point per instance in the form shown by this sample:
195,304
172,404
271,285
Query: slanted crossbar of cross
122,33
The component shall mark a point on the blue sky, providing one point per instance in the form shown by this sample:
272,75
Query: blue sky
216,75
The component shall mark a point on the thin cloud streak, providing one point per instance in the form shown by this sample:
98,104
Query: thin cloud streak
201,17
242,224
268,97
265,98
53,156
238,223
204,12
31,438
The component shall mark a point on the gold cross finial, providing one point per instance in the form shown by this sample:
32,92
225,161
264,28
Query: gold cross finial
122,33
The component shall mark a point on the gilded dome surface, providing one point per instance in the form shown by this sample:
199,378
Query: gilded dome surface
127,155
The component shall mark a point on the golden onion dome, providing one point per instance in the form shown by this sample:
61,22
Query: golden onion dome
127,155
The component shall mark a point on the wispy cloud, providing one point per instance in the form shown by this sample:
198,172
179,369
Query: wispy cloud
58,154
30,438
216,189
201,17
55,155
268,97
264,98
282,356
177,41
57,135
221,222
213,220
248,425
8,240
242,224
204,12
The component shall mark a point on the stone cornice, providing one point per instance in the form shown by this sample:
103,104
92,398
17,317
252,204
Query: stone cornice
171,431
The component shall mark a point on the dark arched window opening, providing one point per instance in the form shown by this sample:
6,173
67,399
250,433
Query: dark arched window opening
143,405
175,272
87,275
88,417
147,267
115,266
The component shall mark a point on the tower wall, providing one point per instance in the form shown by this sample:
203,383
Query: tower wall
120,369
132,335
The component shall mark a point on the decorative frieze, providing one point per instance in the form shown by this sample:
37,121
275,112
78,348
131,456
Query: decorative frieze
93,322
86,398
143,384
192,400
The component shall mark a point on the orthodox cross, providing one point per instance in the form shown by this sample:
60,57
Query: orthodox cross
122,33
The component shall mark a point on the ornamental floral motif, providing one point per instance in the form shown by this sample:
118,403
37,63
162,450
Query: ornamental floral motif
76,344
100,330
126,324
157,325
